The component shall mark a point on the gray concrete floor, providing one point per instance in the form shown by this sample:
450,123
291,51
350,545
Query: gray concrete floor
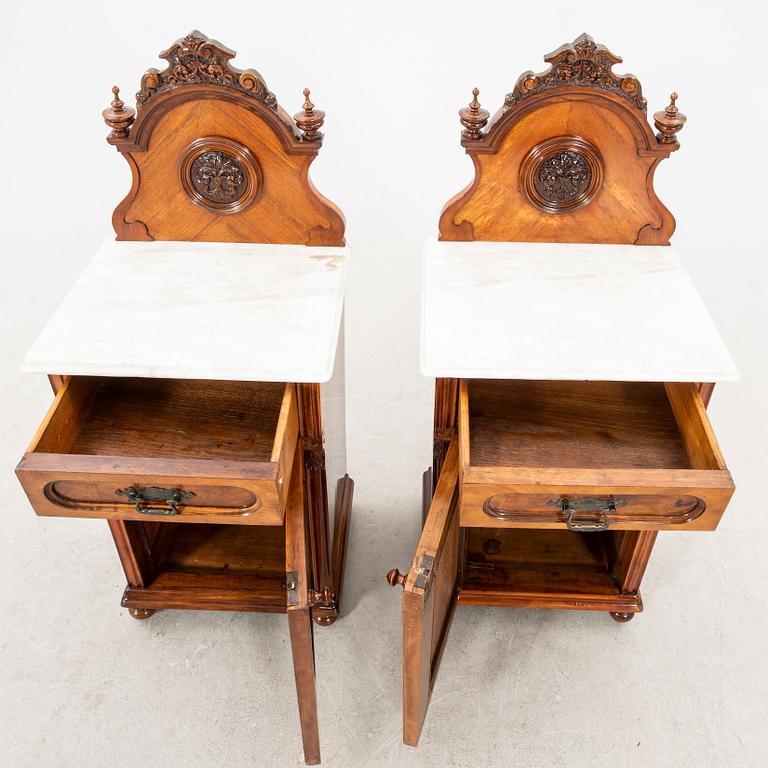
82,684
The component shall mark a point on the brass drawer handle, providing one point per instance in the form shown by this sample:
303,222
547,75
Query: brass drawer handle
583,525
173,498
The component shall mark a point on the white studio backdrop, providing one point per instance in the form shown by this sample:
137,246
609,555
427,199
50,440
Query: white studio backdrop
391,78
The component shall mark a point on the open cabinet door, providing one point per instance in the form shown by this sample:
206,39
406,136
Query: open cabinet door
429,597
297,581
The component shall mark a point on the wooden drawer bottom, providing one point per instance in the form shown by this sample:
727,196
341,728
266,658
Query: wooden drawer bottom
540,568
214,567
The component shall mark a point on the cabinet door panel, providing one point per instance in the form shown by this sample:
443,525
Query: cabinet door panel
429,598
298,583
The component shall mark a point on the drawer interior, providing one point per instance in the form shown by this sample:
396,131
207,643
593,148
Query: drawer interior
573,424
167,418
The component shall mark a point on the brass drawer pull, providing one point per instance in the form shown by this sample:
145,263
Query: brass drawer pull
174,498
586,526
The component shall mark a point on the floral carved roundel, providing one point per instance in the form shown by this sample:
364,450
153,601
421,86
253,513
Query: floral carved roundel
561,174
220,175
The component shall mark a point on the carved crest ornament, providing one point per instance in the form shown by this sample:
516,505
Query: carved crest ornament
583,63
196,59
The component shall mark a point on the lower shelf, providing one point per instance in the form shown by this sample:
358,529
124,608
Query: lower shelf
542,569
215,567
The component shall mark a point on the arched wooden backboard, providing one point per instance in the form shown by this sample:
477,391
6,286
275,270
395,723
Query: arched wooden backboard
569,157
215,158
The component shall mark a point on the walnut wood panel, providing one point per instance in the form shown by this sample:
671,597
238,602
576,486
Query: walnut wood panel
630,456
201,110
582,104
429,598
105,436
299,580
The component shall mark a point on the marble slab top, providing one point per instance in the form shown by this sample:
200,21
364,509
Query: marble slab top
565,312
227,311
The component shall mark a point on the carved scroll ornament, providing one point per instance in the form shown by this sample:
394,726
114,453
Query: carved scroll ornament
196,59
583,63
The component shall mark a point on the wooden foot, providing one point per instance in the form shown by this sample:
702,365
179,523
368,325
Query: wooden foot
324,616
622,617
141,613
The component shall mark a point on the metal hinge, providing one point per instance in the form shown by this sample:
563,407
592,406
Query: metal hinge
292,588
425,573
323,599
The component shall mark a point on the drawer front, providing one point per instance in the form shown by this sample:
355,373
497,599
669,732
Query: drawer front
62,485
65,476
695,505
595,498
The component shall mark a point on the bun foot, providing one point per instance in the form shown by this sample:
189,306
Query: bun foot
141,613
621,616
325,618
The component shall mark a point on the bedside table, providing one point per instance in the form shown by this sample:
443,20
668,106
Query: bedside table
198,364
573,361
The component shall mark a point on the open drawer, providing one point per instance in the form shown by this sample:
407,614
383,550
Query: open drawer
195,451
588,456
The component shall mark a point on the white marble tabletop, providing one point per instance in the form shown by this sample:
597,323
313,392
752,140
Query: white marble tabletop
199,311
567,312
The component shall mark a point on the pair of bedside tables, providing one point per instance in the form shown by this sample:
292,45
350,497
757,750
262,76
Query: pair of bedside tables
198,364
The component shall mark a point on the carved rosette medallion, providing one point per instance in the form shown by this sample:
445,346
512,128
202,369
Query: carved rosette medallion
561,174
562,177
220,175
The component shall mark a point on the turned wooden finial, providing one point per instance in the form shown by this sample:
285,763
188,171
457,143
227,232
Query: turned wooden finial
310,120
118,117
473,117
394,577
669,122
